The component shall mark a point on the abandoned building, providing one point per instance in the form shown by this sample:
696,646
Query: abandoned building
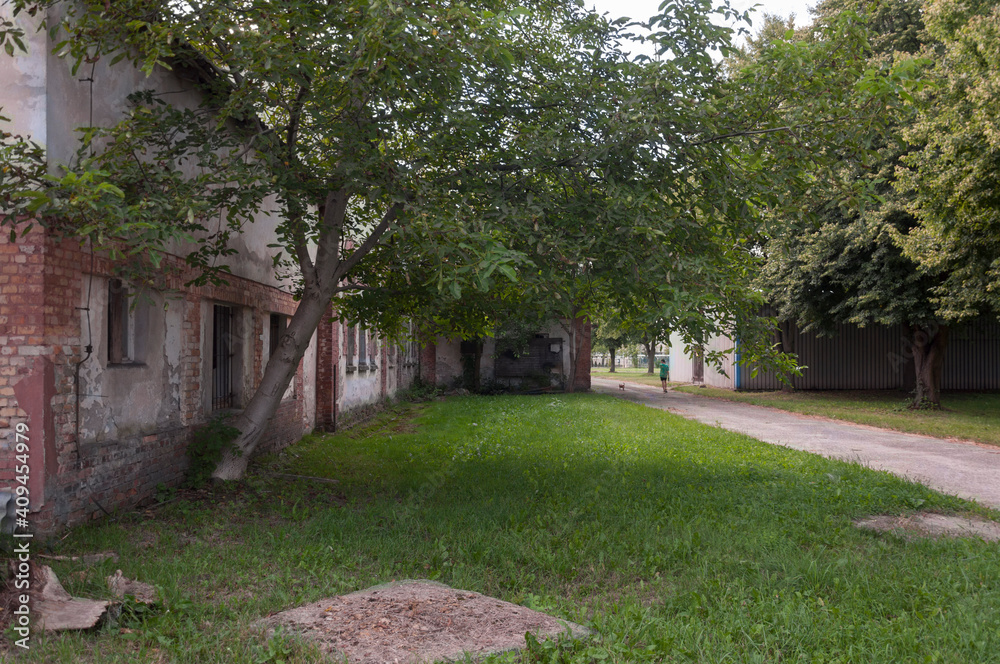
543,364
111,385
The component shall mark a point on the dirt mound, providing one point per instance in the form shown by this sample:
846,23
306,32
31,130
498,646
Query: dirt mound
417,621
928,524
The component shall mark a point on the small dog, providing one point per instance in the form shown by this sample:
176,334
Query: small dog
621,386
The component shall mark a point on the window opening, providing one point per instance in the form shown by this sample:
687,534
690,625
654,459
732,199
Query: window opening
119,332
222,357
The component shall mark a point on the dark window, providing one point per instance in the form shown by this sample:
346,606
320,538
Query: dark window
222,357
362,347
350,345
119,336
278,325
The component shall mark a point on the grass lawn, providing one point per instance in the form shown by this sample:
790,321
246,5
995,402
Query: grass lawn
674,541
965,415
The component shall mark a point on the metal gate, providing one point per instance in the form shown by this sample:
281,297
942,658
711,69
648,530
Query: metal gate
222,357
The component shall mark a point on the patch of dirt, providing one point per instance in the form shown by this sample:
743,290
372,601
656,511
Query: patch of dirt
928,524
417,621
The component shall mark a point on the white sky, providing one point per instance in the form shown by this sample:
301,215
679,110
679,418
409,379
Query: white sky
643,9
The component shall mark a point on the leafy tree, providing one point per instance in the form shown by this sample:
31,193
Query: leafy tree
850,268
607,334
439,145
953,178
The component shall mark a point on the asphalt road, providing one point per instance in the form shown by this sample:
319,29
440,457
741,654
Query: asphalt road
964,469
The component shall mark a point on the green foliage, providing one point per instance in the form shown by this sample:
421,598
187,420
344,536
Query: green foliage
433,159
953,175
208,443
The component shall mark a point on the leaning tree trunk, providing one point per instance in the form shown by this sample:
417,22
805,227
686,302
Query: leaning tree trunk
929,343
280,370
611,352
321,280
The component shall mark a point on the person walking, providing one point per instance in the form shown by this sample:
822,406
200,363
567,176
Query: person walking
664,373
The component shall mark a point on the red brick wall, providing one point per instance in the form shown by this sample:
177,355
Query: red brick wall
329,348
428,364
41,288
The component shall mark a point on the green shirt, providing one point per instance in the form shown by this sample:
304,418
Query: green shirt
664,368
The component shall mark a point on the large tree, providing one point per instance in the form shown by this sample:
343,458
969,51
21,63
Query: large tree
440,144
952,176
848,266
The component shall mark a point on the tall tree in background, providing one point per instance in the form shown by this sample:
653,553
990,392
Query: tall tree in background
952,176
850,267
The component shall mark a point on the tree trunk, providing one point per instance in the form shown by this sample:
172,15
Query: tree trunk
650,347
611,352
574,348
929,343
698,365
278,374
321,280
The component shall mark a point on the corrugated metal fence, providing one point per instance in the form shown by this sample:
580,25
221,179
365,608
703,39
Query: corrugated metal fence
879,357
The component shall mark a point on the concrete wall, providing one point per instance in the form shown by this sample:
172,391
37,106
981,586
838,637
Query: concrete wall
48,103
23,94
682,363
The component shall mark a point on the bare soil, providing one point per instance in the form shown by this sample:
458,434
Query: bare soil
417,621
929,524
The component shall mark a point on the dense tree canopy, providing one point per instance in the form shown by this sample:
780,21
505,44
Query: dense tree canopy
849,266
424,151
953,178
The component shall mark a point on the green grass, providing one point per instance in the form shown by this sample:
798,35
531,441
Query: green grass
964,415
674,541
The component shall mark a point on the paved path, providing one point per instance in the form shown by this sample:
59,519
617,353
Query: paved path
962,469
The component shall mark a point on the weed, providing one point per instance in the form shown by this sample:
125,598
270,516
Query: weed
207,446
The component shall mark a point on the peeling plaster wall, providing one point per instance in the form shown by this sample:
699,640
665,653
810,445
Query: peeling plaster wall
48,103
124,400
361,388
487,364
556,331
23,93
449,361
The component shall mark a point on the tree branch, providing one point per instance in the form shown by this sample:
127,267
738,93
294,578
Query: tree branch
372,239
